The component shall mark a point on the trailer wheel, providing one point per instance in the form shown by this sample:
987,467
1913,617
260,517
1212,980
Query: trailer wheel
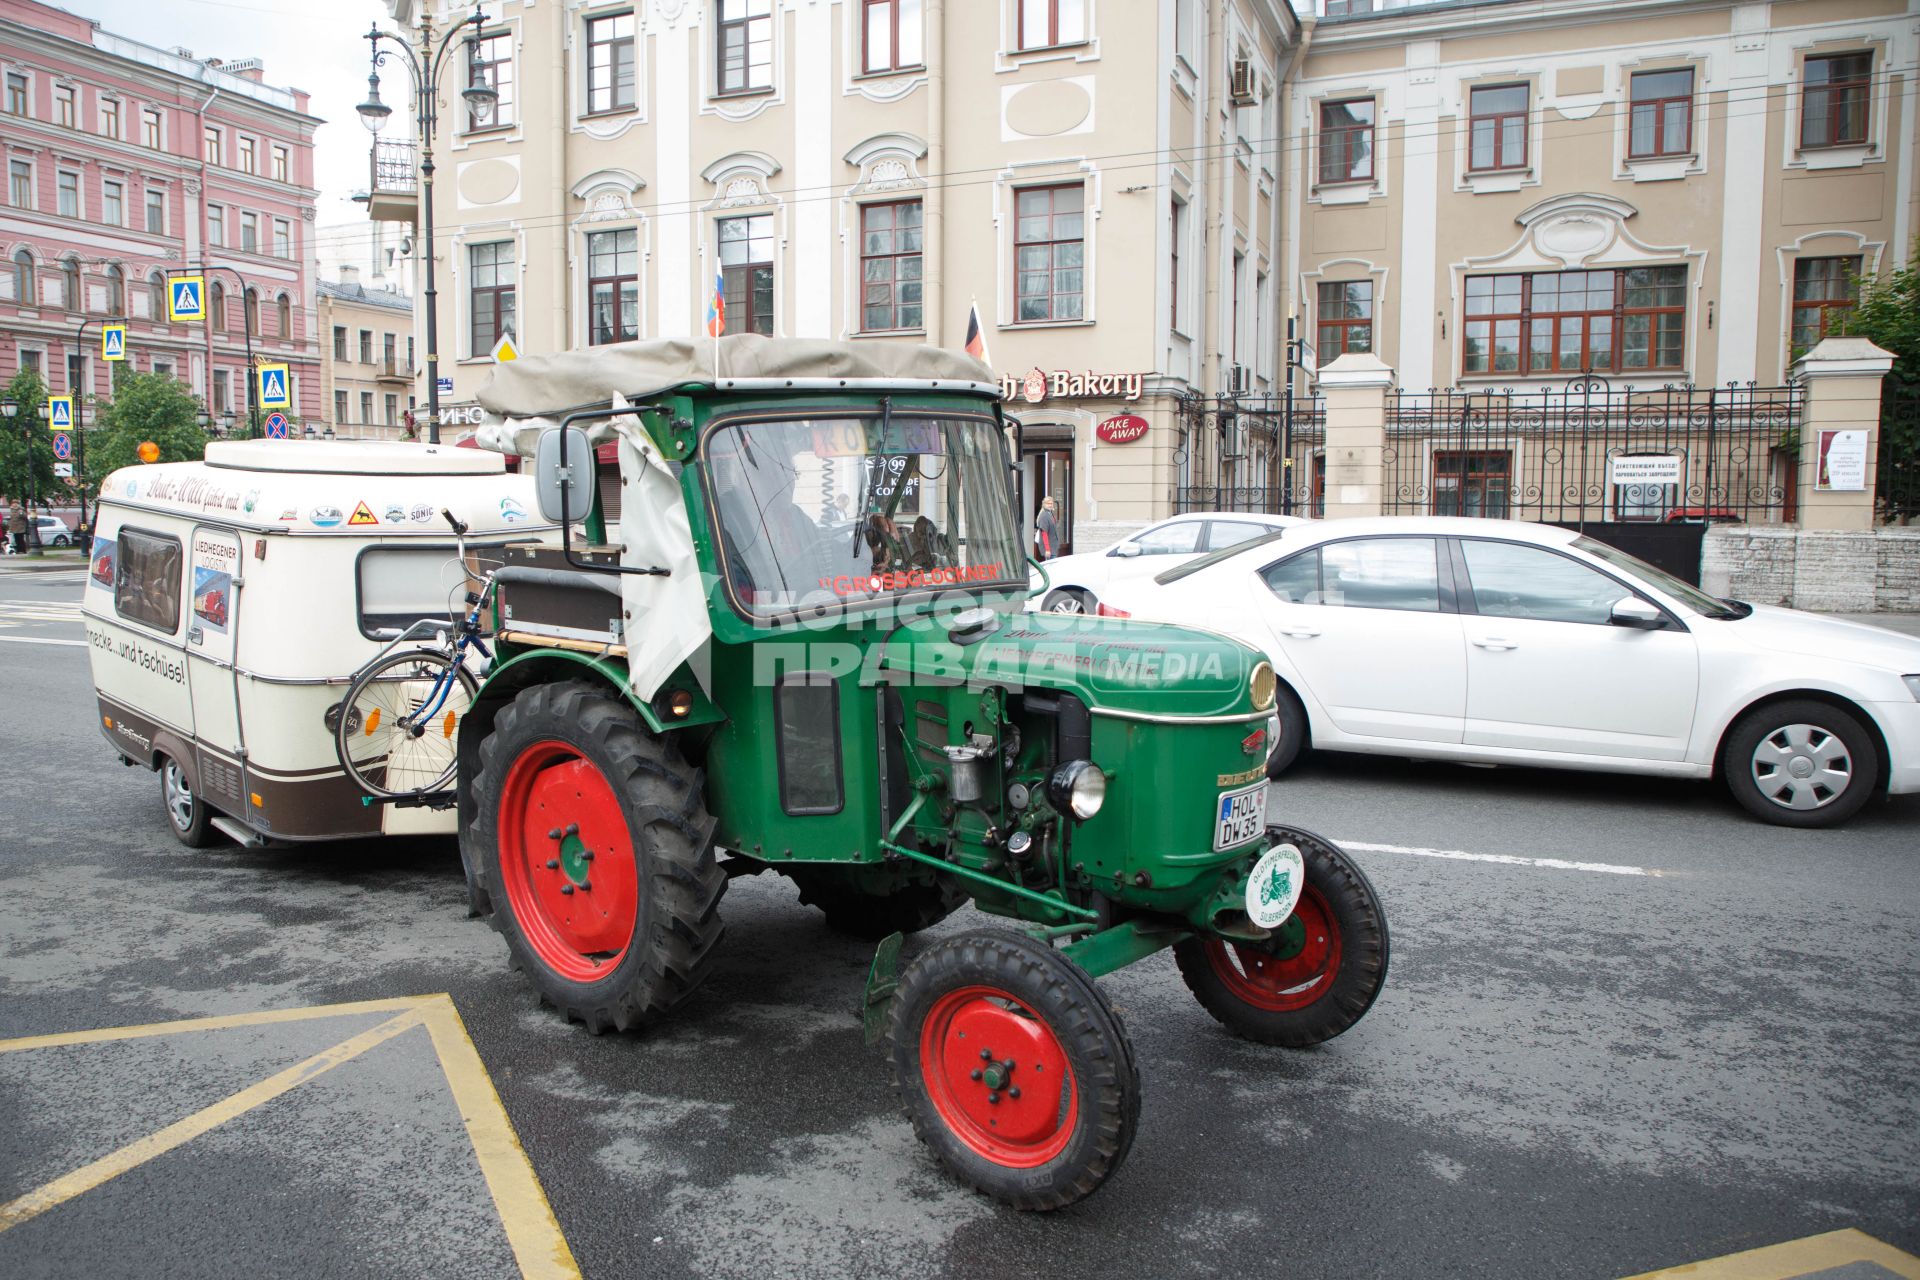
596,847
1318,974
872,916
187,814
1014,1068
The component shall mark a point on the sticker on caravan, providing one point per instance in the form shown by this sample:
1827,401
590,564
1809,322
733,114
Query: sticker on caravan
212,589
290,513
422,513
253,496
396,514
511,511
325,517
103,561
362,515
133,488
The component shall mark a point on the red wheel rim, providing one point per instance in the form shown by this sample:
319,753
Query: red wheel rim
1282,984
998,1077
567,859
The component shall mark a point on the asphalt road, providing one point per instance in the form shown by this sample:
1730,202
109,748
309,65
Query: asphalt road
1570,1073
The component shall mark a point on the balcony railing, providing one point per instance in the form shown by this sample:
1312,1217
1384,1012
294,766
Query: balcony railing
396,166
395,367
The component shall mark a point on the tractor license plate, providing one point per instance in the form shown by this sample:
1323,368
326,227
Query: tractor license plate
1242,816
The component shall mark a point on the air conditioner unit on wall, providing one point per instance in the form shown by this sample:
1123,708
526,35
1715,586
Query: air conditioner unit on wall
1240,88
1239,379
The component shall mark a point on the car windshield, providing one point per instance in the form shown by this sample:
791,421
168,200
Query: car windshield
1215,557
823,511
1660,580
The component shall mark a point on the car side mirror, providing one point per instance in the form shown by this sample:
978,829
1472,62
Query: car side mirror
565,490
1632,611
1126,550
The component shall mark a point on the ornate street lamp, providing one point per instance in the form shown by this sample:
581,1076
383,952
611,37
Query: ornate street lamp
425,65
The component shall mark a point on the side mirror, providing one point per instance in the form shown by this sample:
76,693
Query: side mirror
1632,611
565,492
1126,550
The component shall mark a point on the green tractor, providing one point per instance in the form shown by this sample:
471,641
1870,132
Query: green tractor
786,633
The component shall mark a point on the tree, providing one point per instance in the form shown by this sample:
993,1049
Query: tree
26,446
1889,315
145,406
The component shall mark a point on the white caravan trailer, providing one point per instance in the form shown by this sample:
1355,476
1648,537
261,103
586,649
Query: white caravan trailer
229,602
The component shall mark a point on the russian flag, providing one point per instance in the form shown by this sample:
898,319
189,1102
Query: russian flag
717,306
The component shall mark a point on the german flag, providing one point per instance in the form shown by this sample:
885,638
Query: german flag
976,337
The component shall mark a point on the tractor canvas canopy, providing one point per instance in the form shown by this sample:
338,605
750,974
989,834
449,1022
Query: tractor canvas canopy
669,623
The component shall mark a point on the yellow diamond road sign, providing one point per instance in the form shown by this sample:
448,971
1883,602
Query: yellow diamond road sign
186,298
504,350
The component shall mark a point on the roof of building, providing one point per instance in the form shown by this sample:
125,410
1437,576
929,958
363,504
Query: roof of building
366,297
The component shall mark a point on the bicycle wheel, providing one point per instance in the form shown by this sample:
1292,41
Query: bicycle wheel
395,733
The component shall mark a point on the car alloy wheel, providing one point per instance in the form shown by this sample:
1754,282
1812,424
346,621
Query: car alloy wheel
179,796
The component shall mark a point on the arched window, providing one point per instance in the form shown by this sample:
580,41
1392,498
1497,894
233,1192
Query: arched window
283,306
70,285
157,287
252,303
217,305
116,291
23,282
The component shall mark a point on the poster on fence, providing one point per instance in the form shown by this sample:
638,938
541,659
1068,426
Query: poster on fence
1843,461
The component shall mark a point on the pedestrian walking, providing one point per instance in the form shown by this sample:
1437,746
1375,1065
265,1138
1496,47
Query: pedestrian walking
17,530
1046,529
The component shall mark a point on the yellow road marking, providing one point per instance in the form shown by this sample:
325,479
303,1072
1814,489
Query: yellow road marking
539,1246
137,1153
1796,1258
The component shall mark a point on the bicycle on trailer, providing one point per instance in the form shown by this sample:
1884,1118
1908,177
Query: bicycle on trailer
397,730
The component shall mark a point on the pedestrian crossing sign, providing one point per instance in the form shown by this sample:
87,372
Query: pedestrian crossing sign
60,413
186,298
273,387
113,342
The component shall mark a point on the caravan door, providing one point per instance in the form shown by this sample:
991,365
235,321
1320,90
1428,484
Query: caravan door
211,618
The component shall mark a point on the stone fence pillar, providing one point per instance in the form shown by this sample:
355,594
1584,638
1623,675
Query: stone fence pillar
1842,377
1355,388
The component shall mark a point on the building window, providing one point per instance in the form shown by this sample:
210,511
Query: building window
1177,239
217,304
492,294
746,271
340,407
210,145
282,238
17,94
70,285
20,183
1346,140
222,391
1049,253
110,118
387,350
366,346
251,301
1662,119
1498,127
1824,291
493,65
247,158
250,232
282,164
23,291
216,225
610,78
1045,23
1345,318
116,291
1347,8
150,127
1576,321
1833,106
68,187
1235,347
283,315
163,368
113,203
156,211
63,113
393,411
745,45
890,35
366,406
157,295
1471,484
339,342
613,287
890,266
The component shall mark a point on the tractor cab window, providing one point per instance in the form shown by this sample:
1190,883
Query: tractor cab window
825,511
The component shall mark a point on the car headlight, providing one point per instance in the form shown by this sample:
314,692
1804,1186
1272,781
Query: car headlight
1261,684
1078,787
1913,686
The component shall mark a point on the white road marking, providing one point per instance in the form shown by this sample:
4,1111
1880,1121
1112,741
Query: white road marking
1504,859
74,644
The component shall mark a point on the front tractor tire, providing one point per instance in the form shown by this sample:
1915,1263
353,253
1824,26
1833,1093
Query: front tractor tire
1320,971
596,849
1013,1068
872,916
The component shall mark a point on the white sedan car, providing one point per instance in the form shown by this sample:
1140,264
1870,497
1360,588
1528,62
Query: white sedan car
1077,583
1502,642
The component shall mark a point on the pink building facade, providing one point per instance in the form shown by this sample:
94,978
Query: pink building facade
124,164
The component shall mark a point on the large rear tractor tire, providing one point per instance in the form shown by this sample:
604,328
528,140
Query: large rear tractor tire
1013,1068
1319,973
596,849
872,916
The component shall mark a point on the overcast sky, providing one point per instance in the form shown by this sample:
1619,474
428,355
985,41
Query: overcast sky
316,45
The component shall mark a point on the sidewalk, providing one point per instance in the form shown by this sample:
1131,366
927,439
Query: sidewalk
46,562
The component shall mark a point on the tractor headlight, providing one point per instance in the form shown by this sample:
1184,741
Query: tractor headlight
1077,787
1261,685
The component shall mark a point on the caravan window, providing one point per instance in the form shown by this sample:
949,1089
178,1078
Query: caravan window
146,587
398,586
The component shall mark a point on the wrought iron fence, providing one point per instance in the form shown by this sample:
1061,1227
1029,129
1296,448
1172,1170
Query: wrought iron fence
395,166
1592,452
1897,477
1247,453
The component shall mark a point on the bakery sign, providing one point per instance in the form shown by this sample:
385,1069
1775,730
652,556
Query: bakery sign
1037,385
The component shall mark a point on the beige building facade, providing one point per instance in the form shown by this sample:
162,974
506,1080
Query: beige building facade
367,359
1098,177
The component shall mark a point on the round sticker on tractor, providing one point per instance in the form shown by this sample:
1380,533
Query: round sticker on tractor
1274,887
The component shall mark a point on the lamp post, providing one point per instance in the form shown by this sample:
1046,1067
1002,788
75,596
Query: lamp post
10,409
425,65
246,325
